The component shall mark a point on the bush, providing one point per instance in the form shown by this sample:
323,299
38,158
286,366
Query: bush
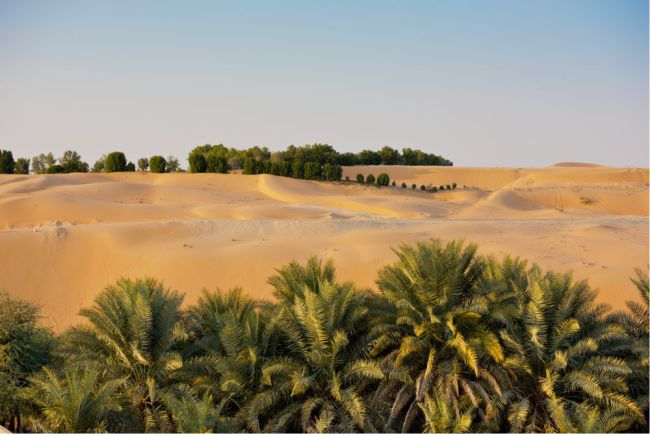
143,164
413,186
97,167
434,189
172,164
6,161
442,187
197,162
347,178
423,188
130,167
448,187
454,185
22,166
312,170
298,169
360,177
383,179
115,162
370,179
41,162
393,183
403,184
158,164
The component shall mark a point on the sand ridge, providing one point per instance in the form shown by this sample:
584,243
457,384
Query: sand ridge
65,237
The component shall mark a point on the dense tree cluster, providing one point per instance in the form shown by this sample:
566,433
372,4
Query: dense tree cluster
259,160
451,342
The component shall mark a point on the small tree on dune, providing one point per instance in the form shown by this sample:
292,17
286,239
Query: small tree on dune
383,179
6,161
143,164
22,166
197,161
158,164
403,184
115,162
360,178
370,179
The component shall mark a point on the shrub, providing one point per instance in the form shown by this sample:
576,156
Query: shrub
6,161
22,166
403,184
158,164
41,162
360,177
434,189
370,179
413,186
383,179
197,162
298,169
454,185
347,178
312,170
115,162
130,167
448,187
97,167
393,183
143,164
442,187
423,188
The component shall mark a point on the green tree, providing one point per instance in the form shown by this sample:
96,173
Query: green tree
360,177
130,167
557,344
100,164
6,161
216,162
158,164
115,162
370,179
431,330
25,347
134,332
197,162
22,166
383,179
389,155
172,164
78,401
42,162
312,170
332,172
143,164
71,162
298,169
403,184
315,385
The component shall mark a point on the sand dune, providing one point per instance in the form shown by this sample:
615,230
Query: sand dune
64,237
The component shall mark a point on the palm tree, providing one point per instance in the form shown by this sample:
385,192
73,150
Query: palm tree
315,384
556,344
635,323
76,402
134,333
191,413
441,418
434,333
235,336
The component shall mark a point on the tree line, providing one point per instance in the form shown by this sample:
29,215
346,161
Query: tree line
292,161
451,341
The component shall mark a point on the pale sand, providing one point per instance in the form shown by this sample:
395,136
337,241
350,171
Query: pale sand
65,237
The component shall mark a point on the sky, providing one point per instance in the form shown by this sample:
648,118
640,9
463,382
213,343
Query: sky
483,83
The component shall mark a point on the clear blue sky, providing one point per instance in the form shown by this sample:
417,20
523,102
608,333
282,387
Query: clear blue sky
507,83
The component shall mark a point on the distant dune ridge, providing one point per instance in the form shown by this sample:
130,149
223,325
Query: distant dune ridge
65,237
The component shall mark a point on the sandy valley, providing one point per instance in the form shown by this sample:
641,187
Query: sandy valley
65,237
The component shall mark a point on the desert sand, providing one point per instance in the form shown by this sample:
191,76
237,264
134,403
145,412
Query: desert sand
65,237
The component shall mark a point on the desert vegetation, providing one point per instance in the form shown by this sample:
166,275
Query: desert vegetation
451,341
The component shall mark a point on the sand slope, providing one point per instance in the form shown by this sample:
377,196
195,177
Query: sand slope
64,237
